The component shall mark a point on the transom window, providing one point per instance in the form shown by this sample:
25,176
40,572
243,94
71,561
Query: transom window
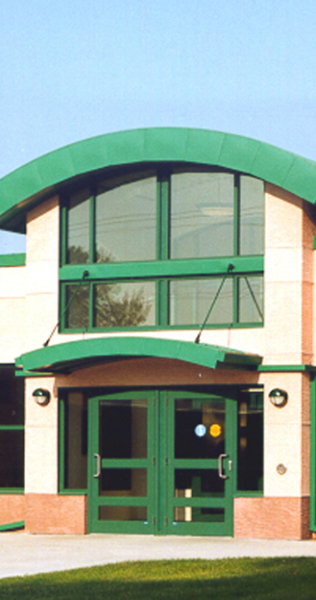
150,248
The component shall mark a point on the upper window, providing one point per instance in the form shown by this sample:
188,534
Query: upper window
205,214
166,225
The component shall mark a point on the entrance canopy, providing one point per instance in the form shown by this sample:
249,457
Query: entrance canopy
71,356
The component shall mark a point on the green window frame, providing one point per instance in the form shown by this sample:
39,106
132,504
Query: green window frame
11,431
73,441
80,277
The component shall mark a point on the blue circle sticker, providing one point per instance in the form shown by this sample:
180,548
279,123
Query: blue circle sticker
200,430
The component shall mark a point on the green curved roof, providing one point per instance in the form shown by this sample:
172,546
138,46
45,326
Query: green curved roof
70,356
35,180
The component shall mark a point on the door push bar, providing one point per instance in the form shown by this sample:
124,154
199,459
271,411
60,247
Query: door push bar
221,474
98,473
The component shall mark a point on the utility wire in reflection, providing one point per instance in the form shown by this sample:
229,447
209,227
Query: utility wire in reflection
84,276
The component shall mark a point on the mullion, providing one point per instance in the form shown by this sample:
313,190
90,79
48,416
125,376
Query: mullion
236,300
162,288
92,230
63,235
164,217
91,311
236,215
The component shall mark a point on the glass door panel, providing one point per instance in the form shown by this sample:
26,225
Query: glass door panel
201,445
120,461
162,462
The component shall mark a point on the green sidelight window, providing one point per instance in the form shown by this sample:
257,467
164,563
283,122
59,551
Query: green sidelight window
150,249
73,448
250,441
11,431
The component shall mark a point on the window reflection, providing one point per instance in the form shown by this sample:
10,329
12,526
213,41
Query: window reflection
124,304
251,215
78,228
202,215
190,300
250,292
126,219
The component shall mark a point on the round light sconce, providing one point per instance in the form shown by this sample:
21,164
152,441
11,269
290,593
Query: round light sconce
281,469
278,397
41,397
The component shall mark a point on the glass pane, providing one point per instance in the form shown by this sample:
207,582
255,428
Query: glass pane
78,228
192,483
126,219
251,215
199,515
123,428
123,482
125,304
202,215
76,441
250,441
191,299
11,397
77,300
251,299
11,459
123,513
199,429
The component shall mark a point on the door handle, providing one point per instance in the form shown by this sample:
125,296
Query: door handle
220,466
98,473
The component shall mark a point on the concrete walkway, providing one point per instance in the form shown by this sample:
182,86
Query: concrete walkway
25,554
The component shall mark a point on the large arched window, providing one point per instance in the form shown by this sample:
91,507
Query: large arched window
151,247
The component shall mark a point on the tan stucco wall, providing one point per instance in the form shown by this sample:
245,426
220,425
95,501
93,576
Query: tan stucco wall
287,435
42,256
289,263
41,440
12,312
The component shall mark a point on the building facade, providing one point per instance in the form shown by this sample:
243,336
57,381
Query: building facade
157,349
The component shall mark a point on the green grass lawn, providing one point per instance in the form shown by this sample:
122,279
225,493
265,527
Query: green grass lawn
251,578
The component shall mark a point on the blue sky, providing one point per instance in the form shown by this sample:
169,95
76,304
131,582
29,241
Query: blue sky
71,70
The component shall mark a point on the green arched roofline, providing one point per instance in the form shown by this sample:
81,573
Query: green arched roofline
71,356
43,176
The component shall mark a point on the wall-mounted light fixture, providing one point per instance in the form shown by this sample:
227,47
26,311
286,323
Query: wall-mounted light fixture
278,397
41,397
281,469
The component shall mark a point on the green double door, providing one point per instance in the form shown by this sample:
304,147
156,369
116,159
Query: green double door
161,462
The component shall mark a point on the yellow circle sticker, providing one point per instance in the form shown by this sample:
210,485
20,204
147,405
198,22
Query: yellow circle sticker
215,430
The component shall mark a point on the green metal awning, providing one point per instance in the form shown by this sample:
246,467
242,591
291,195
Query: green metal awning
46,175
71,356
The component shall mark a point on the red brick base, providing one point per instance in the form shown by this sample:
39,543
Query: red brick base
47,513
272,518
269,518
12,508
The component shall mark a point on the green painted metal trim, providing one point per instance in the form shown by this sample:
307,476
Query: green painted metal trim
33,374
250,494
163,268
12,260
44,176
75,355
12,526
287,368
